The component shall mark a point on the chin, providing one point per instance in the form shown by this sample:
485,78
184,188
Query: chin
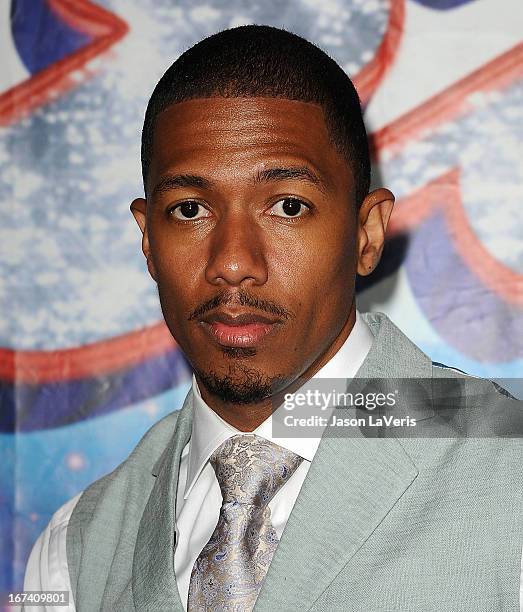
242,384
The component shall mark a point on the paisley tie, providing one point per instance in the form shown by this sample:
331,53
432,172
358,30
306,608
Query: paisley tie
228,573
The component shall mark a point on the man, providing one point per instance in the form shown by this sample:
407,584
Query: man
255,221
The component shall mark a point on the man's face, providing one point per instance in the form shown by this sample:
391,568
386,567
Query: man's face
249,212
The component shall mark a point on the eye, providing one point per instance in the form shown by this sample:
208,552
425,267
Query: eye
289,207
188,210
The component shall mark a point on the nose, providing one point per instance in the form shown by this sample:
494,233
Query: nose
237,252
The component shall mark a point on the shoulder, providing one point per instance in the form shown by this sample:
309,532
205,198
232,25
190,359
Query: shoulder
60,518
47,565
46,568
135,469
481,407
469,381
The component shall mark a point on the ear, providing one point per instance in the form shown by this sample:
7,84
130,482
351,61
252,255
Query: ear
139,210
373,218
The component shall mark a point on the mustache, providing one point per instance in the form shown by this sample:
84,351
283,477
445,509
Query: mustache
240,298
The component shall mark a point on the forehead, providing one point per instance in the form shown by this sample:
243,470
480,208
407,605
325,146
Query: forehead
244,134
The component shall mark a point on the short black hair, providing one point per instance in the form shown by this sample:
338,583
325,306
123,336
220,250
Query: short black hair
264,61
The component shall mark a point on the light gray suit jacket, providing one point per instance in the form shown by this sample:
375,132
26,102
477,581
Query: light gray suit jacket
380,524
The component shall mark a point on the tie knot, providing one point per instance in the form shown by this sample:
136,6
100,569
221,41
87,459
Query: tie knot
251,469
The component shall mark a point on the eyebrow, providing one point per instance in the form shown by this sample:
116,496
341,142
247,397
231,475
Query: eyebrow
172,181
301,173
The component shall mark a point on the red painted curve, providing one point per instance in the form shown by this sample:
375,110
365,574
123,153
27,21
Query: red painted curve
105,28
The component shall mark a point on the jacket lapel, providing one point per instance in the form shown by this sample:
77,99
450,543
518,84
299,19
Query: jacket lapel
352,483
153,580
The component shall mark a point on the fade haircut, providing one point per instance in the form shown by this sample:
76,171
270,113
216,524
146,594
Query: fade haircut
263,61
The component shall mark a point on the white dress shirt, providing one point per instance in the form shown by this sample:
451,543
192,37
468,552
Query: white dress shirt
198,496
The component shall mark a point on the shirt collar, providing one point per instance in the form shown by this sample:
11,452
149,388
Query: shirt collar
209,430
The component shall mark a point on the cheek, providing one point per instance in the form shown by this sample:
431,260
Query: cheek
319,279
174,261
176,276
329,258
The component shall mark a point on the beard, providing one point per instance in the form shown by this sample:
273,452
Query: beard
242,385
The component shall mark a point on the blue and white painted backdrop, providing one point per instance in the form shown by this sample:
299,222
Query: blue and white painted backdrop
86,364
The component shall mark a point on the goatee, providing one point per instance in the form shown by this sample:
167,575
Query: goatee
243,385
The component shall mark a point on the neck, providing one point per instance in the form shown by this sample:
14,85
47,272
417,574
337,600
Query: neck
247,417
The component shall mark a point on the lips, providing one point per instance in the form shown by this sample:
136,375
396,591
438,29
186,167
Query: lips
241,330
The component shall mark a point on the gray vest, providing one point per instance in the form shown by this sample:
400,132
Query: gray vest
380,524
